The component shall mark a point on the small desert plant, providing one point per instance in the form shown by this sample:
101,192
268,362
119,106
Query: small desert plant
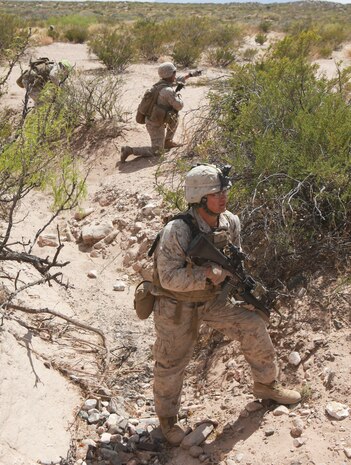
226,35
149,38
249,54
91,98
189,36
13,36
76,34
221,57
115,48
264,26
186,54
260,38
306,392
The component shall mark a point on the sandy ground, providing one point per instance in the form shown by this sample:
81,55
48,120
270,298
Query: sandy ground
37,403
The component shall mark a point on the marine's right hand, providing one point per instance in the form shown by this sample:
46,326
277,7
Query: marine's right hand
216,274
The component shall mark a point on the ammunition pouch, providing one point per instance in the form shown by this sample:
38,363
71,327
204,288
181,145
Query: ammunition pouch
140,118
161,114
144,300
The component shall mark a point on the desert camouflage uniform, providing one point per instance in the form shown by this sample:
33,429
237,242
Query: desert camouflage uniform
161,132
56,75
177,322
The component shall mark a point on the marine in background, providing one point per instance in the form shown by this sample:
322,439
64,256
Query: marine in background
162,119
42,71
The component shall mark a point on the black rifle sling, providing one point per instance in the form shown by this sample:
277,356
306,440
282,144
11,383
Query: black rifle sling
188,219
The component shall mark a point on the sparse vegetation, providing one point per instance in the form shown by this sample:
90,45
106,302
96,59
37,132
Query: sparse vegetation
115,48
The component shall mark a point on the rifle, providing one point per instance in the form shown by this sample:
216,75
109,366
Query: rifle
201,248
180,84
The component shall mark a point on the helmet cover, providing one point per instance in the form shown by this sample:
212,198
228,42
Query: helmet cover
203,180
166,70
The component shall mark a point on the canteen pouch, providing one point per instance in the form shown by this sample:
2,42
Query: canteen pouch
144,300
140,118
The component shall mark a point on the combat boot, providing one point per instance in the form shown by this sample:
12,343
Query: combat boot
275,391
172,432
125,152
170,144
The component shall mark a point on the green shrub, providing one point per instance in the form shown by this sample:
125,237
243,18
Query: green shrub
249,54
190,36
149,38
186,54
287,135
260,38
264,26
221,56
12,36
76,34
299,45
226,35
332,35
91,98
115,48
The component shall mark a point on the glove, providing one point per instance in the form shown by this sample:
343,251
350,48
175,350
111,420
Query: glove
216,274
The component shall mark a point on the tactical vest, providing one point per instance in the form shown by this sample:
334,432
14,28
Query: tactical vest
199,296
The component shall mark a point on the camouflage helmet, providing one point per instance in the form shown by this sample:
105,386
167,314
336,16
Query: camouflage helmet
202,180
66,64
166,70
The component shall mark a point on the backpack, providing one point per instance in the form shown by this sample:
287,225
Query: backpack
148,101
143,299
38,72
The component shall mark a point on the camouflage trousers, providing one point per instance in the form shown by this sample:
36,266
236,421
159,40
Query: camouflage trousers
177,329
158,135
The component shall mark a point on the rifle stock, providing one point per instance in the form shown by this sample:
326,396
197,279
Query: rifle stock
201,248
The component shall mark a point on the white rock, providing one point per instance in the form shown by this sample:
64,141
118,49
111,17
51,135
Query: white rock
119,286
93,233
337,410
90,404
89,442
298,442
297,429
238,457
198,436
94,253
111,237
112,420
106,438
138,226
294,358
281,410
48,240
347,451
92,274
149,209
79,215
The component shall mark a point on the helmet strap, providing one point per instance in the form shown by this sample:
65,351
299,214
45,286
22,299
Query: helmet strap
203,204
